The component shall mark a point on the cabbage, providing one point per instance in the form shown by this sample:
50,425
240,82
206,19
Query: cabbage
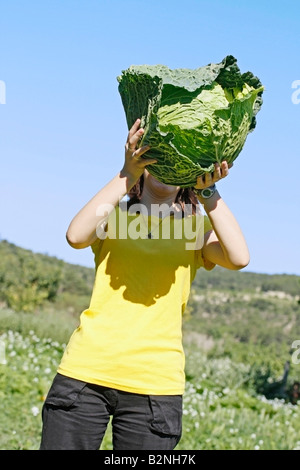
192,118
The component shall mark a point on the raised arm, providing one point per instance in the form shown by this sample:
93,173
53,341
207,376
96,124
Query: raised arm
82,229
225,245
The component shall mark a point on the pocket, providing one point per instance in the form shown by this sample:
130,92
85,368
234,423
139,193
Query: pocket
64,391
166,414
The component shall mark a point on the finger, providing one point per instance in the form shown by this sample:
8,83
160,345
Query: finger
217,173
133,140
134,128
199,184
143,161
137,155
139,152
207,179
199,181
224,169
149,161
203,182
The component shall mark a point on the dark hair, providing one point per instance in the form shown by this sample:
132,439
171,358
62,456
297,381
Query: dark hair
184,196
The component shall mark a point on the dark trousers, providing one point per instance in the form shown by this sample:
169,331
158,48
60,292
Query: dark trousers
76,414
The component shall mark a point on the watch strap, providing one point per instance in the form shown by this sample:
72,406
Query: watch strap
206,193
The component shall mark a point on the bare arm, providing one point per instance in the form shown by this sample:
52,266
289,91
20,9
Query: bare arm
82,229
225,245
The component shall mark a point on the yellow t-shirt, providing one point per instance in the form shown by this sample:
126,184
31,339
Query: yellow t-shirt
130,337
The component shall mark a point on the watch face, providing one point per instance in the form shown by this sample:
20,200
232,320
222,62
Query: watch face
206,192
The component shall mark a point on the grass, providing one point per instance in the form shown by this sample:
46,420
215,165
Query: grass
222,409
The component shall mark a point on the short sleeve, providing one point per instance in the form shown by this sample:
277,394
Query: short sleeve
103,231
96,248
201,262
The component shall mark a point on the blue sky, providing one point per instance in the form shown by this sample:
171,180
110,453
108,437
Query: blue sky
63,129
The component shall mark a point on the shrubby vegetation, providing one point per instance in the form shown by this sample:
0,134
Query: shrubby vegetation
29,280
238,332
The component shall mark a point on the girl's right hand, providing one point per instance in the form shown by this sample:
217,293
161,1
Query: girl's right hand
134,164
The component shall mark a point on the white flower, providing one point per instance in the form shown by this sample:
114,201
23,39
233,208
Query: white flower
256,448
253,436
35,411
47,370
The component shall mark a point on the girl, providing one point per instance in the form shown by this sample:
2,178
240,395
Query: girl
126,358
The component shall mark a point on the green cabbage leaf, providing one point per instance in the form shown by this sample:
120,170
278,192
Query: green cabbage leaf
192,118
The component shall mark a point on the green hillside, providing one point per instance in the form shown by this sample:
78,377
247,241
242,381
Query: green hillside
226,310
239,329
29,280
245,307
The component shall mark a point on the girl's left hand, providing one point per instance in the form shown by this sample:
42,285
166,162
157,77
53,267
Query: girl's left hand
208,179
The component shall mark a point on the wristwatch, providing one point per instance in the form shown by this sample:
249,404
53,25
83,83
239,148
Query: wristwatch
206,193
